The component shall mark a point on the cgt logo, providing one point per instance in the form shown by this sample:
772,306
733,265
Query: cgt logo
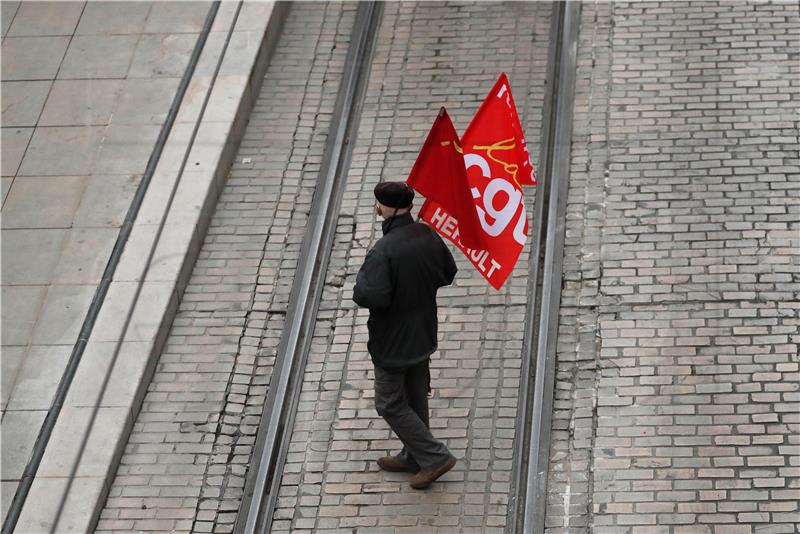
499,200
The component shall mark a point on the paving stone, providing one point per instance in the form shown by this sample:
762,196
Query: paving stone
19,319
182,17
62,151
23,102
12,360
105,200
126,149
9,489
35,255
162,55
8,13
116,18
38,377
62,314
80,103
45,19
145,101
5,185
15,143
20,429
85,255
32,58
98,56
43,202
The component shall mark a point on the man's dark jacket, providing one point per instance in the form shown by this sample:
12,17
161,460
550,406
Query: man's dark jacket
398,283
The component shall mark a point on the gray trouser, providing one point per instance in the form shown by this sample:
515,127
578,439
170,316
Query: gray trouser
401,398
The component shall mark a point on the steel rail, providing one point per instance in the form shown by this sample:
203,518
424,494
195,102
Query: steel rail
529,494
29,474
529,339
272,440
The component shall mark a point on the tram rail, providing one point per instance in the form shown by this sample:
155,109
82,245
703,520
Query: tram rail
534,418
272,440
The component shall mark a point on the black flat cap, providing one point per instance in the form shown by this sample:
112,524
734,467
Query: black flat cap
394,194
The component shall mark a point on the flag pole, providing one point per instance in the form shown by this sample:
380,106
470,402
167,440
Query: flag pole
442,113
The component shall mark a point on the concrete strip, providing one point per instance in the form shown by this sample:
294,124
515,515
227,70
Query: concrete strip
115,407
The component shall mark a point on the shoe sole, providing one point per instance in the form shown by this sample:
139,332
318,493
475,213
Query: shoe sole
438,472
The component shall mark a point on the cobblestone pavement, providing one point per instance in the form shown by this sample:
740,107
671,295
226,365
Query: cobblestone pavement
183,468
677,382
427,55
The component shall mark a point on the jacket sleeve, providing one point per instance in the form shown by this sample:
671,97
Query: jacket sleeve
373,287
449,268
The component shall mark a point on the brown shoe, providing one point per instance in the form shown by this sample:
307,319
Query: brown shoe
423,479
396,465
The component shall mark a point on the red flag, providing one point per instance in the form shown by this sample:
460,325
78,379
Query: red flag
496,126
496,161
439,175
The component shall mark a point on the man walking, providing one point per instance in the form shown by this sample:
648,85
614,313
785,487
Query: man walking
398,283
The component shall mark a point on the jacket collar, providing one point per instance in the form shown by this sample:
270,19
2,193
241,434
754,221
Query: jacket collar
396,222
